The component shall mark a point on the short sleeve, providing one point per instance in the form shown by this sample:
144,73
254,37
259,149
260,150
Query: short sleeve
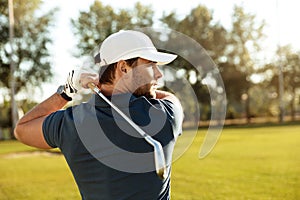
51,128
175,115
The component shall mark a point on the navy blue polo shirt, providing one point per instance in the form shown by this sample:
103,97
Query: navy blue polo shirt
108,158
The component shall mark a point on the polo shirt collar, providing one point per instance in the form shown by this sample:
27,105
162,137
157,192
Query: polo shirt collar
120,100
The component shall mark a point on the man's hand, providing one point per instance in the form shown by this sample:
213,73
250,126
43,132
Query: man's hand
72,84
79,79
86,78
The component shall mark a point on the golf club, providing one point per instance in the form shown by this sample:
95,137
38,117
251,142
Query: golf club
159,158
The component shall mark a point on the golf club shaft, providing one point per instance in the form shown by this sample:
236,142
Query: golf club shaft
160,163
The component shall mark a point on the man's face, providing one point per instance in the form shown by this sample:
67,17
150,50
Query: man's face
144,78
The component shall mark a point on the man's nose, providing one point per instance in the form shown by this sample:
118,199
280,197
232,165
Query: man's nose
157,73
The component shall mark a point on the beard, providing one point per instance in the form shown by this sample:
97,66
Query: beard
146,91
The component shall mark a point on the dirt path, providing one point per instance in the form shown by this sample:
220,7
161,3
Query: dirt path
30,154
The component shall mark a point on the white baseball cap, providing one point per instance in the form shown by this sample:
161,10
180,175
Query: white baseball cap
127,44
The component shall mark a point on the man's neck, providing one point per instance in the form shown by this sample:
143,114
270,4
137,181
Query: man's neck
109,90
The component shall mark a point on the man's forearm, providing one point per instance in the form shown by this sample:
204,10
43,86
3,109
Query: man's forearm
29,128
166,95
162,94
50,105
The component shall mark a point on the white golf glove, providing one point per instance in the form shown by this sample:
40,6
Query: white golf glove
78,79
87,77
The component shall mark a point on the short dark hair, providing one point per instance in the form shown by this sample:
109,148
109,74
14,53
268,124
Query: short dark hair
107,72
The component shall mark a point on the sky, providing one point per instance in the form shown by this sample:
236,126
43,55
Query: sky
281,17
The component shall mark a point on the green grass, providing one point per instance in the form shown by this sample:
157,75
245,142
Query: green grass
13,146
33,176
247,163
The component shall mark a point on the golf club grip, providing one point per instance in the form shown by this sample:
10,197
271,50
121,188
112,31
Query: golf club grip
92,86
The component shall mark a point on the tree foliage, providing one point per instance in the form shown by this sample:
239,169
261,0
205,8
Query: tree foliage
30,45
243,46
289,62
93,26
199,25
232,50
31,55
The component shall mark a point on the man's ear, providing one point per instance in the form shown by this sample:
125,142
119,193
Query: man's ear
122,67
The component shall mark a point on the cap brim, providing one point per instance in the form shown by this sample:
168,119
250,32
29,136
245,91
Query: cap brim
155,56
159,57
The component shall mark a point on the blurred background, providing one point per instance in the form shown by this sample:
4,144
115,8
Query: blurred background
253,43
255,48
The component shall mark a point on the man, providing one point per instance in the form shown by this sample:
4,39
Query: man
107,157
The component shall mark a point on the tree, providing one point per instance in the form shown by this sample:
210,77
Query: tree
235,85
93,26
244,41
232,50
4,112
291,76
31,42
290,63
199,26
